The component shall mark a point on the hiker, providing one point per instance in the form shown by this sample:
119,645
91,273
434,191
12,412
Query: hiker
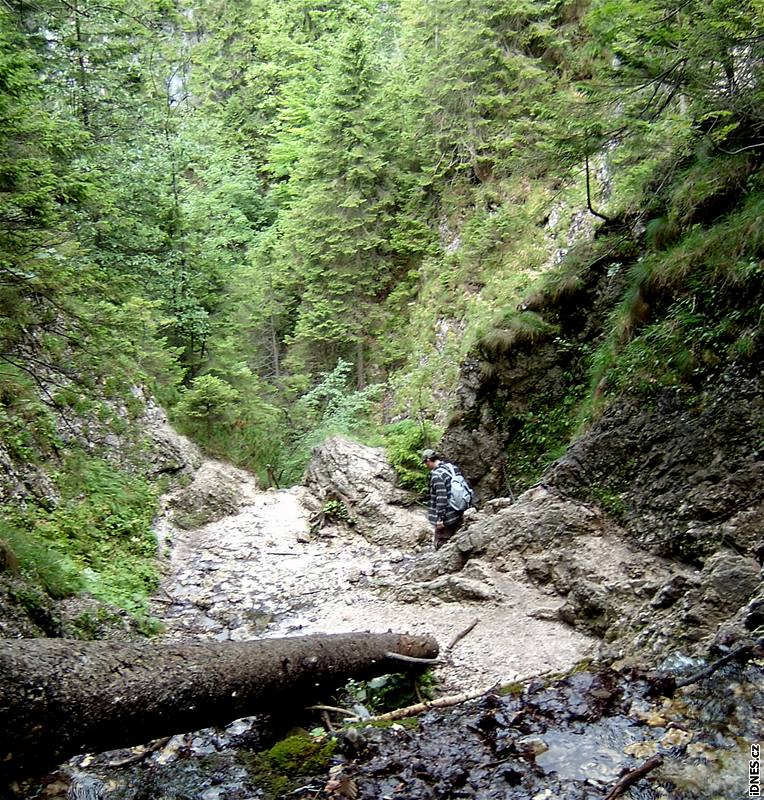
444,512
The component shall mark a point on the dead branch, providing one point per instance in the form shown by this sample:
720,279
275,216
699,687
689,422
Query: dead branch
462,634
335,709
743,652
589,195
630,778
411,659
420,708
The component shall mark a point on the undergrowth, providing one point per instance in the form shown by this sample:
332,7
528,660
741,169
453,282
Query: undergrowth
97,539
389,692
688,309
545,430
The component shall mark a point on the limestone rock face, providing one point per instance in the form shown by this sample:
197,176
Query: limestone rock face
216,491
687,471
361,478
479,433
19,481
170,452
650,526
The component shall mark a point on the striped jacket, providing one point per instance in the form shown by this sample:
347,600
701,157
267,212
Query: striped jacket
440,483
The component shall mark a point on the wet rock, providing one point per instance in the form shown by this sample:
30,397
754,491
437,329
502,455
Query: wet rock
671,591
474,582
686,469
731,578
538,519
754,614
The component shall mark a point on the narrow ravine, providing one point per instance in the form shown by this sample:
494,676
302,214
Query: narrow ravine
260,572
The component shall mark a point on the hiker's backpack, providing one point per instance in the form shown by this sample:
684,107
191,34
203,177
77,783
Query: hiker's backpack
459,493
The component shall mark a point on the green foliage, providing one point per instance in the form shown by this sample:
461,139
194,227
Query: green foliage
336,510
353,198
668,52
27,426
611,501
97,539
57,574
404,442
543,433
688,308
207,400
270,432
331,408
335,230
706,188
89,624
562,286
388,692
297,756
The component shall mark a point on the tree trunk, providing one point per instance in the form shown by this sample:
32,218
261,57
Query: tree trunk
61,697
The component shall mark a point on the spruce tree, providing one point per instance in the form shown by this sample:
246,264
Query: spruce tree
336,230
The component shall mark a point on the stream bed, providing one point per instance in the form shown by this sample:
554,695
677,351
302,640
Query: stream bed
572,732
572,738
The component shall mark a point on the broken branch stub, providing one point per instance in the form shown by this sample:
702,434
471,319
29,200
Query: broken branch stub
61,697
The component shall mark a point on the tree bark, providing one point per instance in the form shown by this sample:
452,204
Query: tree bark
61,697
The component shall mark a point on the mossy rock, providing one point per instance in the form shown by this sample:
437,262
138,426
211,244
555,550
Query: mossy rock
276,770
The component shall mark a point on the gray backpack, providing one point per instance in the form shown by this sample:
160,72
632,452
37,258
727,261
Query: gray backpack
459,493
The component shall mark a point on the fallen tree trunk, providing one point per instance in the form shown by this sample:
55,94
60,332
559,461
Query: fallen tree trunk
61,697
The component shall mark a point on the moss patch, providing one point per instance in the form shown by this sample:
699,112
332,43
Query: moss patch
296,757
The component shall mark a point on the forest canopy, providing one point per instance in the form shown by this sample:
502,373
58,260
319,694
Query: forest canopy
286,218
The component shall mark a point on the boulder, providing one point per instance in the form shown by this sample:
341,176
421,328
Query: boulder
361,479
169,452
216,491
729,580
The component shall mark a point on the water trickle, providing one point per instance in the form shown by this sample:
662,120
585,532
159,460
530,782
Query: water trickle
86,787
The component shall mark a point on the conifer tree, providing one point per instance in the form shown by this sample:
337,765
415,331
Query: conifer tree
335,231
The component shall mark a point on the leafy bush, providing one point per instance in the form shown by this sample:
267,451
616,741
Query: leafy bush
388,692
404,442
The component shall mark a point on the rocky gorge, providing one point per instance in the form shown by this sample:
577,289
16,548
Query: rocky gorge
556,597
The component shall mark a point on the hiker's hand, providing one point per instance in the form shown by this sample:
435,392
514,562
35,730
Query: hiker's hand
439,524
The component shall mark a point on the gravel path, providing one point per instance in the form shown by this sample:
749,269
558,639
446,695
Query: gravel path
259,573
